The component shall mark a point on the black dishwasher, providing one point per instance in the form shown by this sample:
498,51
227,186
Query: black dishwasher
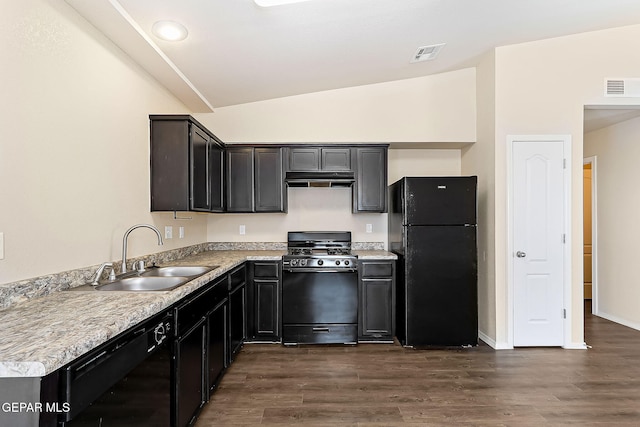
125,382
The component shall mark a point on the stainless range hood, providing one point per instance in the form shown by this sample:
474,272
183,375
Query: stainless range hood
320,179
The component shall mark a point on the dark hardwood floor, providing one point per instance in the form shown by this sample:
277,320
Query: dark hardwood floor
388,385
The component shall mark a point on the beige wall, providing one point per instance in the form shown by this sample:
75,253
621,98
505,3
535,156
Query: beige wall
423,162
309,209
438,108
74,144
479,159
541,88
617,173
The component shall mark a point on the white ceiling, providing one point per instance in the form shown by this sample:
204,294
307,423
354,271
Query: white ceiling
238,52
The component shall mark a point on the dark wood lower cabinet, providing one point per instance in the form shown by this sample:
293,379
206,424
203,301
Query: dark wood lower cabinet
237,309
217,332
190,373
377,300
263,301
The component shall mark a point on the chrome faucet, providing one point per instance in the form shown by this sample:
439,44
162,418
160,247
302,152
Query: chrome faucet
125,239
98,275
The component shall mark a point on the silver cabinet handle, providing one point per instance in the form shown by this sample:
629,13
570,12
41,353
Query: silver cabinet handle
521,254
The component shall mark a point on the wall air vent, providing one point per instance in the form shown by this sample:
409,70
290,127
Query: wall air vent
622,87
427,53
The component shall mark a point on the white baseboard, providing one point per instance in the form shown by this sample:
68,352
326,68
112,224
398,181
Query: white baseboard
625,322
492,343
575,346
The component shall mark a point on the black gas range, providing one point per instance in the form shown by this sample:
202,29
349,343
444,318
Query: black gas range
319,250
319,289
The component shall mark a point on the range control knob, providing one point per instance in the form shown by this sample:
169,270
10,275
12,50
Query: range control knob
320,262
346,262
303,262
294,262
337,262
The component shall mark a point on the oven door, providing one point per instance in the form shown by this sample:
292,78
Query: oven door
319,306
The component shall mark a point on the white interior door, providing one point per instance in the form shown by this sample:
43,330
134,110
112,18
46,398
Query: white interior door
538,218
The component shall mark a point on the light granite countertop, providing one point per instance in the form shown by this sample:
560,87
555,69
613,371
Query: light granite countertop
43,334
373,254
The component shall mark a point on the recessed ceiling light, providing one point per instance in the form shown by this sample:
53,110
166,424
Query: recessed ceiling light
169,31
269,3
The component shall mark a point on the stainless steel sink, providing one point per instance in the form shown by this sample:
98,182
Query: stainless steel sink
181,270
156,279
140,283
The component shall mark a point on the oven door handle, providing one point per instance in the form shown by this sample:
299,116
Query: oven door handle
320,270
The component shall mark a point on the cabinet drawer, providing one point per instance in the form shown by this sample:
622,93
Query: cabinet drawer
194,309
266,269
237,277
376,269
321,333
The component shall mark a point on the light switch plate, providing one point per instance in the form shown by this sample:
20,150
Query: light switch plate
1,245
181,233
243,229
369,228
168,232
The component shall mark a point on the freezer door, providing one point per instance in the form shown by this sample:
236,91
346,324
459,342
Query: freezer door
440,200
441,286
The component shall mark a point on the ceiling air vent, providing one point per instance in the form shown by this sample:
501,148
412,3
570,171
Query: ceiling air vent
622,87
427,53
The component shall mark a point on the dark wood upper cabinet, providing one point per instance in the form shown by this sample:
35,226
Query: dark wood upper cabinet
370,190
335,159
170,165
186,165
255,180
308,159
200,169
240,179
270,195
304,159
192,170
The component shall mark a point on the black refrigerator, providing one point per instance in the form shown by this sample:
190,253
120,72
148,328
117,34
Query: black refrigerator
432,230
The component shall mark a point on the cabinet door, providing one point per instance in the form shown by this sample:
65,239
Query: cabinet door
269,181
371,180
200,195
376,308
190,395
304,159
217,344
216,177
237,307
239,180
169,165
336,159
267,310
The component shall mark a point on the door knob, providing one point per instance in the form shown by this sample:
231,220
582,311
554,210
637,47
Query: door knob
521,254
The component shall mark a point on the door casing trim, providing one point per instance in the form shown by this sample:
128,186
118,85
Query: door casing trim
567,294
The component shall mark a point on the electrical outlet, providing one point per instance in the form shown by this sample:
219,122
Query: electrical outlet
369,228
168,232
1,245
243,230
181,233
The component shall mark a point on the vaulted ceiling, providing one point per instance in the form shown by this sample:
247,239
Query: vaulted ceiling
238,52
